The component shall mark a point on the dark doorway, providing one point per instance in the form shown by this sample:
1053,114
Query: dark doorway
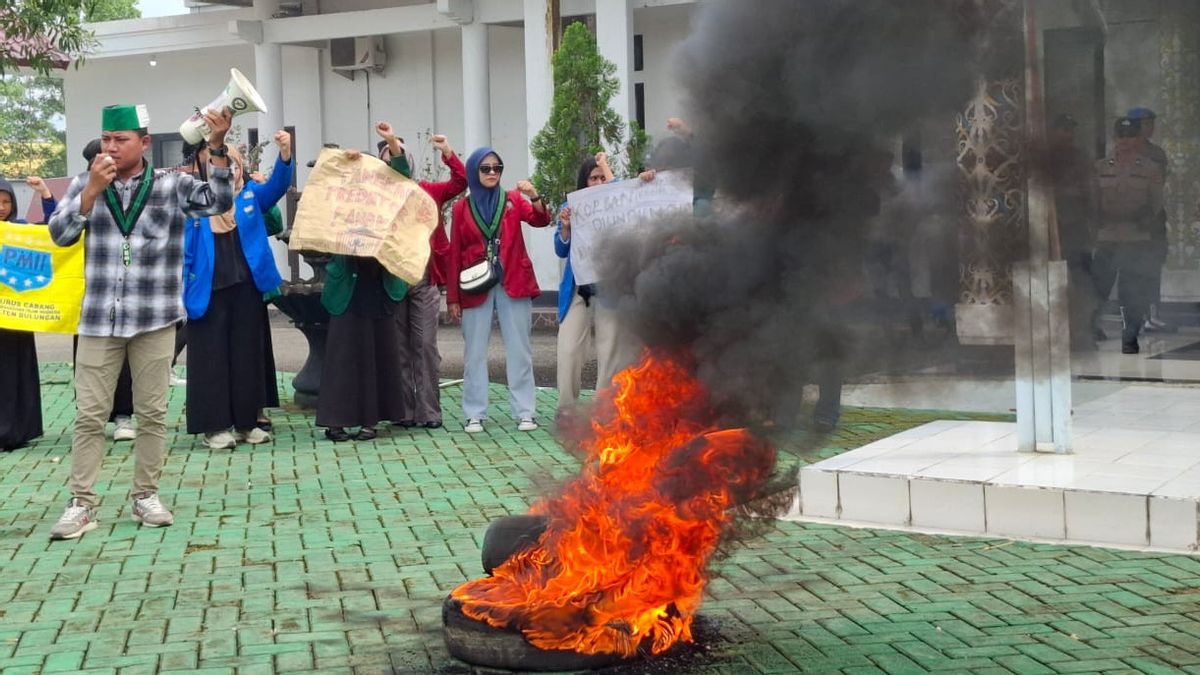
1074,67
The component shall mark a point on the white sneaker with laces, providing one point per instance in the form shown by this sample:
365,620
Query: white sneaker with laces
221,440
527,424
253,437
473,426
124,430
78,519
150,512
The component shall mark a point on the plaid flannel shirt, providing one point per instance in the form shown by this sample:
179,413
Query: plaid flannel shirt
122,301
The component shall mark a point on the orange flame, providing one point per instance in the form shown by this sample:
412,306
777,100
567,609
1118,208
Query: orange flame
621,566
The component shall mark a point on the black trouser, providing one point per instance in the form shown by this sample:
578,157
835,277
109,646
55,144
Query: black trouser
1134,263
225,377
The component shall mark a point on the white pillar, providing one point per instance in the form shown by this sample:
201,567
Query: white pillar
614,37
268,80
477,113
539,73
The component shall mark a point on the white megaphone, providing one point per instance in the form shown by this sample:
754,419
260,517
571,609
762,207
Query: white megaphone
239,96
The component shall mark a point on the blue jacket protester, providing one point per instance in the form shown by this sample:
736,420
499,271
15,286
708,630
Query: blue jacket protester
250,206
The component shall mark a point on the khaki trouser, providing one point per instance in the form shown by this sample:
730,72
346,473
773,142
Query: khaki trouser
615,349
97,366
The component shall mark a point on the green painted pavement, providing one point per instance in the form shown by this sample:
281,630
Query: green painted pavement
305,556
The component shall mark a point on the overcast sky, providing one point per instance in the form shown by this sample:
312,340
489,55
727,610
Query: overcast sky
161,7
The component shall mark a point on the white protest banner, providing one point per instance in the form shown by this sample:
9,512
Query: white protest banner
601,211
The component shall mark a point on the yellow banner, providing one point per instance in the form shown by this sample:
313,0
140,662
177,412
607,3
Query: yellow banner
41,284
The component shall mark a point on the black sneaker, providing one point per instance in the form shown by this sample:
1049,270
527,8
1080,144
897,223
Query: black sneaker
1130,346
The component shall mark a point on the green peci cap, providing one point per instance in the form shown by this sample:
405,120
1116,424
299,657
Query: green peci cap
124,118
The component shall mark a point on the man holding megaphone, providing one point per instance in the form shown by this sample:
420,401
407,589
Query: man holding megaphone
134,218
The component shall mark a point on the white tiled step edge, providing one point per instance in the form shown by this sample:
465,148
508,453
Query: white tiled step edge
1124,487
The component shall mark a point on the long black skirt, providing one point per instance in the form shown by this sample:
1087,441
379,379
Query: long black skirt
20,390
270,382
226,354
361,378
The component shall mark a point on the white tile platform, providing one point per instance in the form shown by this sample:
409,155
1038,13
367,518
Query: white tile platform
1133,480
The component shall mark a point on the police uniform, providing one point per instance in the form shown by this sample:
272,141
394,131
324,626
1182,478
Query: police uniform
1130,201
1158,232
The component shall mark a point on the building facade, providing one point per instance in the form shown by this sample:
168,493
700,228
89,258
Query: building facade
477,71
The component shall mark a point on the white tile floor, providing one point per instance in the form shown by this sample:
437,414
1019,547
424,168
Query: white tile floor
1134,478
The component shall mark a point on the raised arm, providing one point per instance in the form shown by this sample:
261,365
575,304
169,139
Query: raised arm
199,198
534,210
67,222
446,190
269,193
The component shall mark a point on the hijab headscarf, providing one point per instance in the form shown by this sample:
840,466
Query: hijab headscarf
484,200
585,170
6,186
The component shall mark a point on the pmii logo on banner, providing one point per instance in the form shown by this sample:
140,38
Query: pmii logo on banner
23,269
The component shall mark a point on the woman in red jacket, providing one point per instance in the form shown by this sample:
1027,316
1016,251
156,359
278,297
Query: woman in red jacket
487,226
418,313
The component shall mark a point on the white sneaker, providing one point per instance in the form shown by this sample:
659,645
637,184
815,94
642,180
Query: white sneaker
527,424
253,437
221,440
176,380
474,426
124,430
150,512
77,520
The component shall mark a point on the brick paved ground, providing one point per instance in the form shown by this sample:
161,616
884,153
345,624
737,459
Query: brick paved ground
305,556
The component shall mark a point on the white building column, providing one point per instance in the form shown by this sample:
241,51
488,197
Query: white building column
539,72
268,80
614,37
477,113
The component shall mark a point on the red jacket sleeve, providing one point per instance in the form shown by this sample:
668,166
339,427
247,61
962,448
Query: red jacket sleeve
446,190
529,214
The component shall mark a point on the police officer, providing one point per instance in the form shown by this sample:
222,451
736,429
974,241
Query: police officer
1145,117
1130,189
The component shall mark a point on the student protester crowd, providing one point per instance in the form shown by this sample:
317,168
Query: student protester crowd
165,248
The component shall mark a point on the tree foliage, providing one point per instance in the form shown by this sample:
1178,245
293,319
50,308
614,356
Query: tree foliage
581,121
36,32
95,11
31,143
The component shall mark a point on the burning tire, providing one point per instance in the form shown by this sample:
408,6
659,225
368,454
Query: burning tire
478,643
509,535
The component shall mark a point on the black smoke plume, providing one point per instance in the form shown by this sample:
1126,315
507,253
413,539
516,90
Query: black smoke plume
796,107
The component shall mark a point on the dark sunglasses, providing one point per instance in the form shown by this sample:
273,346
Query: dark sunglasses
491,168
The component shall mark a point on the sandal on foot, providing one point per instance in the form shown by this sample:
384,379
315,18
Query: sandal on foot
337,434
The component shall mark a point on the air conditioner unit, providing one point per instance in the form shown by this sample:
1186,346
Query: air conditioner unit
357,53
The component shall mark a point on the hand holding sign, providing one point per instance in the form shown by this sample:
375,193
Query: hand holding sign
564,217
605,210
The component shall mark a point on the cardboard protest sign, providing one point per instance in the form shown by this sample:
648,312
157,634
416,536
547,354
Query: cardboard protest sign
361,207
601,211
41,284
